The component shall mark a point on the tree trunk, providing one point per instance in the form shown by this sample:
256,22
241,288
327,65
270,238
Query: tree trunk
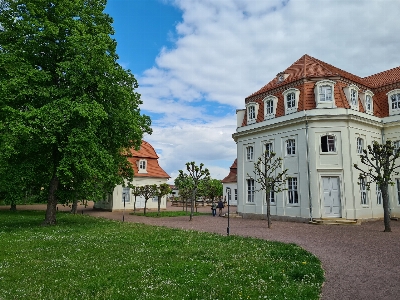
134,205
145,204
268,211
51,202
386,211
13,206
74,208
159,204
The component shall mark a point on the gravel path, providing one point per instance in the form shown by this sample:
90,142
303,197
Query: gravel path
360,261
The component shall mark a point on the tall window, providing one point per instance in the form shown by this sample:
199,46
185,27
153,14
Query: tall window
142,164
325,93
363,191
268,147
291,100
250,190
360,145
368,102
378,195
353,97
235,194
290,147
395,101
252,112
271,196
269,107
293,196
328,143
398,190
250,153
126,195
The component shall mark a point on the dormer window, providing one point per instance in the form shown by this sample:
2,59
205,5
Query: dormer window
252,111
270,103
351,93
291,98
394,102
324,94
142,166
366,98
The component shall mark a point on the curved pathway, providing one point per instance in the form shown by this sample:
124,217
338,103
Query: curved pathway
360,261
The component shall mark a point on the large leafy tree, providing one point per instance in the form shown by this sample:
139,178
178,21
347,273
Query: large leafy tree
380,159
66,106
148,191
211,188
270,177
192,178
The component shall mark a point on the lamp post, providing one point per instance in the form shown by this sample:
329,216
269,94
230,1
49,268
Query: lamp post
123,213
227,229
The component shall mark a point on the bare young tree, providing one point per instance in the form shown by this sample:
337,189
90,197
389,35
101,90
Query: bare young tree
136,191
148,191
380,160
267,175
162,190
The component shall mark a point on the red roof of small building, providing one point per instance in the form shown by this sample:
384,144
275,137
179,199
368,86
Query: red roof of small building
232,176
148,153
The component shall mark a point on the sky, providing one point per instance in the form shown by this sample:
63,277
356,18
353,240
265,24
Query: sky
197,60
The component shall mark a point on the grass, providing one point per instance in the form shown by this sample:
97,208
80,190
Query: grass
179,213
94,258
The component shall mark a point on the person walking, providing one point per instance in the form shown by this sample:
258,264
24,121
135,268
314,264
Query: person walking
220,207
214,208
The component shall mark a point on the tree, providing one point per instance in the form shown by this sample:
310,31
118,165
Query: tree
162,190
211,188
136,191
185,185
267,176
195,174
66,105
148,191
380,160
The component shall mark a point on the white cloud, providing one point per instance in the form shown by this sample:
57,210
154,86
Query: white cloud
226,50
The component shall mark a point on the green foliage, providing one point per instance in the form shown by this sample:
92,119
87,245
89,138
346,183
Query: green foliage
69,112
211,188
267,175
115,260
380,159
148,191
162,190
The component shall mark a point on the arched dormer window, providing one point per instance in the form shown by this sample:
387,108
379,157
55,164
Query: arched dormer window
367,101
394,102
291,98
324,94
270,103
252,112
142,166
351,93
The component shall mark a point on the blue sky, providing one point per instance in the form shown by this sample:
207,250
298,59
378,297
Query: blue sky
197,60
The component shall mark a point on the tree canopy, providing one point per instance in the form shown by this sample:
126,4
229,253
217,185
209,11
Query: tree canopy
68,110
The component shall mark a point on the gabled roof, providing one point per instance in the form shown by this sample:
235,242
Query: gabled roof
383,78
148,153
232,176
309,67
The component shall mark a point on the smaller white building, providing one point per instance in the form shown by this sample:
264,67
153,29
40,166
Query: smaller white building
229,183
147,171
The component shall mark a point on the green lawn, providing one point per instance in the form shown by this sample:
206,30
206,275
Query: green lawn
93,258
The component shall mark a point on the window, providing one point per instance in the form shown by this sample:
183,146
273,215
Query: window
378,195
271,197
360,145
396,146
353,97
368,103
293,196
291,99
324,94
142,164
270,103
228,193
235,194
367,100
363,191
268,147
125,195
290,147
394,102
155,199
398,190
250,190
351,93
252,111
249,153
328,143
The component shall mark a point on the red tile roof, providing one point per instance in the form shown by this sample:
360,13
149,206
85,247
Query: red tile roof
232,176
148,153
302,75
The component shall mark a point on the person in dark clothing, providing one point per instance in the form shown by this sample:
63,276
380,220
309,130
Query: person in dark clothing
214,208
220,206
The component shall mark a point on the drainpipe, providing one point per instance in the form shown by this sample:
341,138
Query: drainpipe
308,168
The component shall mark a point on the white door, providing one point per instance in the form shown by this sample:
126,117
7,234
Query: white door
331,192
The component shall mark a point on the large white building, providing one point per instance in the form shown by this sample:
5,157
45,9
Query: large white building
318,118
147,172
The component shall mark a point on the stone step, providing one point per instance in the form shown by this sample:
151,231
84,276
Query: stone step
334,221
